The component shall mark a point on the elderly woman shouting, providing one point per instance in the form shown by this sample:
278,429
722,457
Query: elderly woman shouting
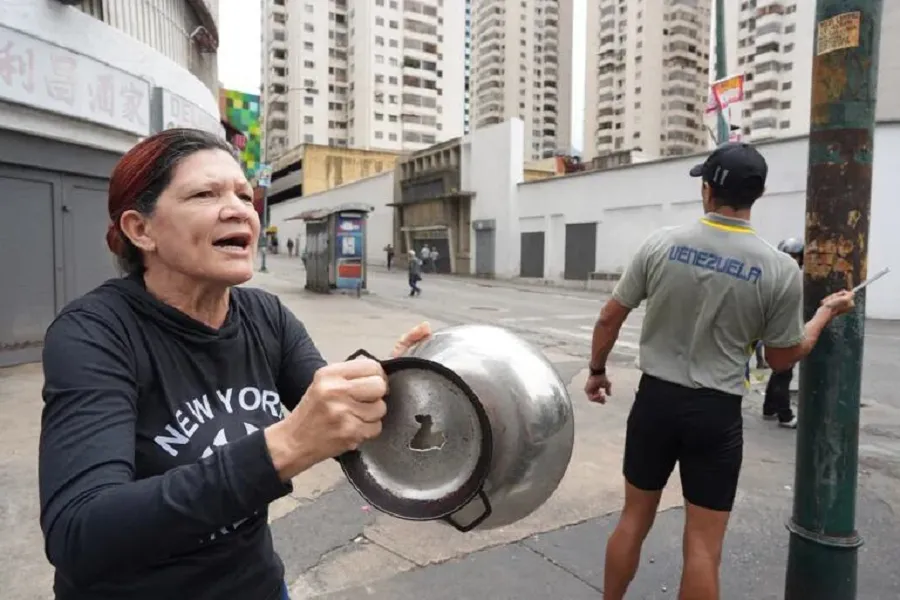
163,437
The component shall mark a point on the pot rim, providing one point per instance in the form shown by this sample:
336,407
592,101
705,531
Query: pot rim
422,510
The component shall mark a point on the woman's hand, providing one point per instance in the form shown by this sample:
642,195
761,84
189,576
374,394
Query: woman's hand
342,408
420,332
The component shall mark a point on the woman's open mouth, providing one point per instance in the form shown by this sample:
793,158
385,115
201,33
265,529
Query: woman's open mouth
238,243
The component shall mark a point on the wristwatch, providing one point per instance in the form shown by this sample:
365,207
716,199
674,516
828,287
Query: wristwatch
597,372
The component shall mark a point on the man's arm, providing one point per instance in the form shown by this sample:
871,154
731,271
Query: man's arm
606,332
787,339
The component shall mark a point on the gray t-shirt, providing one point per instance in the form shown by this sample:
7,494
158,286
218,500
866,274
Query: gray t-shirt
712,288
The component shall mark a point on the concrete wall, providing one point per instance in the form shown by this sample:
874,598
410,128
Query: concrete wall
376,191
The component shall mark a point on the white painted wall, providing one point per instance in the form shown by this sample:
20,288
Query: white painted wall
630,202
69,28
376,191
492,167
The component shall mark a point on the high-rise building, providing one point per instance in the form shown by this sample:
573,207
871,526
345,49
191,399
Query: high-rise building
468,66
647,76
521,67
770,43
384,74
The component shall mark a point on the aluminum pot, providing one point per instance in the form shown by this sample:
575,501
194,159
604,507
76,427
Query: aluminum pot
479,431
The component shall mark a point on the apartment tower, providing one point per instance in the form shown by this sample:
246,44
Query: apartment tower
522,67
379,74
647,76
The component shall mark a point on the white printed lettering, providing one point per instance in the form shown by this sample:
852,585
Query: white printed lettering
256,398
174,437
185,424
201,409
250,428
225,399
219,440
271,402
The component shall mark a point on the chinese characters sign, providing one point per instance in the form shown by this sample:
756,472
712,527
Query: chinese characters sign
39,74
171,110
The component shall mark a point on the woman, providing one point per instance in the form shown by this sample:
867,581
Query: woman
163,438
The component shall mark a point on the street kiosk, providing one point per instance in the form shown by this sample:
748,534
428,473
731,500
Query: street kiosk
336,247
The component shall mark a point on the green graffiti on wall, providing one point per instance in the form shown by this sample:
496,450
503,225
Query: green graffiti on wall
242,112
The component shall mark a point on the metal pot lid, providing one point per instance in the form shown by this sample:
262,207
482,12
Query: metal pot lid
434,451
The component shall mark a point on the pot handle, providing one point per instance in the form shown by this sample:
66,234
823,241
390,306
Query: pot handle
363,353
475,522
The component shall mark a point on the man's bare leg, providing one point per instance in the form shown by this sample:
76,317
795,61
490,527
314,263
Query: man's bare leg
623,550
704,534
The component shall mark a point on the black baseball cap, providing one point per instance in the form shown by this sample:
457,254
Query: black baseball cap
734,166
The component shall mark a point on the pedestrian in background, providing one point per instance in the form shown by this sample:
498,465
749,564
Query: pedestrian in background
415,274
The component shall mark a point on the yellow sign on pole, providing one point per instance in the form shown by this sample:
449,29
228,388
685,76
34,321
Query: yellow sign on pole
838,32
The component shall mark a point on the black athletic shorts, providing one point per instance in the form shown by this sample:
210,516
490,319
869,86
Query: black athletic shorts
700,429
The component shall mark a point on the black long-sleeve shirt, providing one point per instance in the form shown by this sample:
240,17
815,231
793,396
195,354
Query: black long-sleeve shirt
155,477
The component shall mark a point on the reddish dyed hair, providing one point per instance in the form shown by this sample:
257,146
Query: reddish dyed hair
142,175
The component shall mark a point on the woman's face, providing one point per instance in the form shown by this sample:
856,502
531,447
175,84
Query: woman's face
204,225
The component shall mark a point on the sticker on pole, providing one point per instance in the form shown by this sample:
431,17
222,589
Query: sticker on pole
837,33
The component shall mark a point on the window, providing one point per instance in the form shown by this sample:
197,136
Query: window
307,120
379,135
379,116
379,21
308,27
308,101
308,64
308,46
392,137
308,138
308,7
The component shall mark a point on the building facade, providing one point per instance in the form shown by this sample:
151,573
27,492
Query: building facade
240,110
467,104
521,68
770,42
314,168
647,76
385,74
431,208
77,89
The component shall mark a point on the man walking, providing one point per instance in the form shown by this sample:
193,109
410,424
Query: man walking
414,268
712,288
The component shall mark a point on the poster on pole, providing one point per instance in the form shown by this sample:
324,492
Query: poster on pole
725,92
838,33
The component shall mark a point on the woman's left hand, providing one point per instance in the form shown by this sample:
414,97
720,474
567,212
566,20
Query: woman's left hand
412,337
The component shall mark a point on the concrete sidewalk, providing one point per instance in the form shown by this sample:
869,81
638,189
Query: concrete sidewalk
568,563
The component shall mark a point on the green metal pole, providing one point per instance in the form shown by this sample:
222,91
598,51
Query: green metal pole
822,557
721,67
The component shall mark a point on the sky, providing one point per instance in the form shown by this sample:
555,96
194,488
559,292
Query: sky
240,53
